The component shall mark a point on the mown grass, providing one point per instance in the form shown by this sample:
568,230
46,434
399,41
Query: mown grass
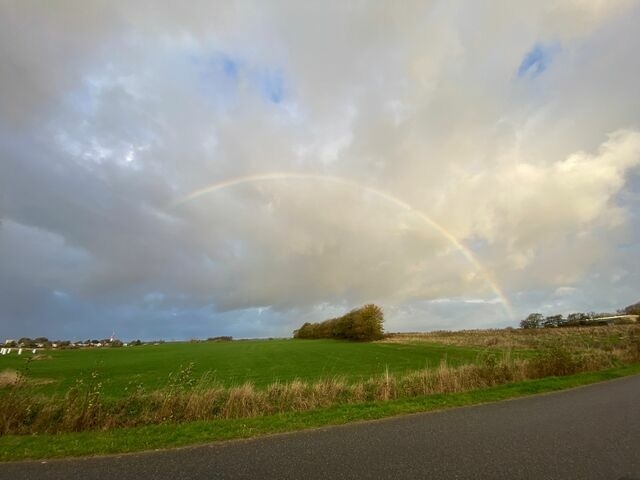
261,362
20,447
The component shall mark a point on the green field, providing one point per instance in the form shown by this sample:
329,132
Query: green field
403,374
231,363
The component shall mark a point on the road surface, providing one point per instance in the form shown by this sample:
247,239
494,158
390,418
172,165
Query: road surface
586,433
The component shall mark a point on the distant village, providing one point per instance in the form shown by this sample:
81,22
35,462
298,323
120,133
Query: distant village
44,343
41,343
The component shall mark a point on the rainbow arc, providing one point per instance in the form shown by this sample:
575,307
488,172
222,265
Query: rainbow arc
453,240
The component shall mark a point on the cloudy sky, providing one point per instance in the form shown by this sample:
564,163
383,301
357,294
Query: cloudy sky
191,169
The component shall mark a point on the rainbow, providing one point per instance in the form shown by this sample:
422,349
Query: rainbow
466,252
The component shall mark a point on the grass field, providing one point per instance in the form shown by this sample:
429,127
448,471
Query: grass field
261,362
88,401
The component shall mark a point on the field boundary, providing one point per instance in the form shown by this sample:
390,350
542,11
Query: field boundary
153,437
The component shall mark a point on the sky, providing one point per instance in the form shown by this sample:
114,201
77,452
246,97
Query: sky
191,169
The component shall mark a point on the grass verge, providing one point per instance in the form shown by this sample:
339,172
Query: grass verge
22,447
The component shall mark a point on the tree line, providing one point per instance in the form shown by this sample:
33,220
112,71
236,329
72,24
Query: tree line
578,319
360,324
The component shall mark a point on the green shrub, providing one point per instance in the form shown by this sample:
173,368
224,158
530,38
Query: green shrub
361,324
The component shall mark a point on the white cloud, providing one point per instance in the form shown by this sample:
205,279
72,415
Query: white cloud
110,113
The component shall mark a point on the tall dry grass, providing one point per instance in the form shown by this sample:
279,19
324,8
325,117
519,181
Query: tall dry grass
186,398
601,337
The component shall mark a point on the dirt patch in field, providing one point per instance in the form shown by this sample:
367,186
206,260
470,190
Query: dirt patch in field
9,377
40,381
41,356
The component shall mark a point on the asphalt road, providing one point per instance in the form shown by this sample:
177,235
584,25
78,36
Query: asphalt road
587,433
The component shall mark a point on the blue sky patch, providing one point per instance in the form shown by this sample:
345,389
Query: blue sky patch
222,73
230,67
272,85
537,60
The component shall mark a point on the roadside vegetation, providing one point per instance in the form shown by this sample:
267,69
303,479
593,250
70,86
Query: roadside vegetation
188,397
100,442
